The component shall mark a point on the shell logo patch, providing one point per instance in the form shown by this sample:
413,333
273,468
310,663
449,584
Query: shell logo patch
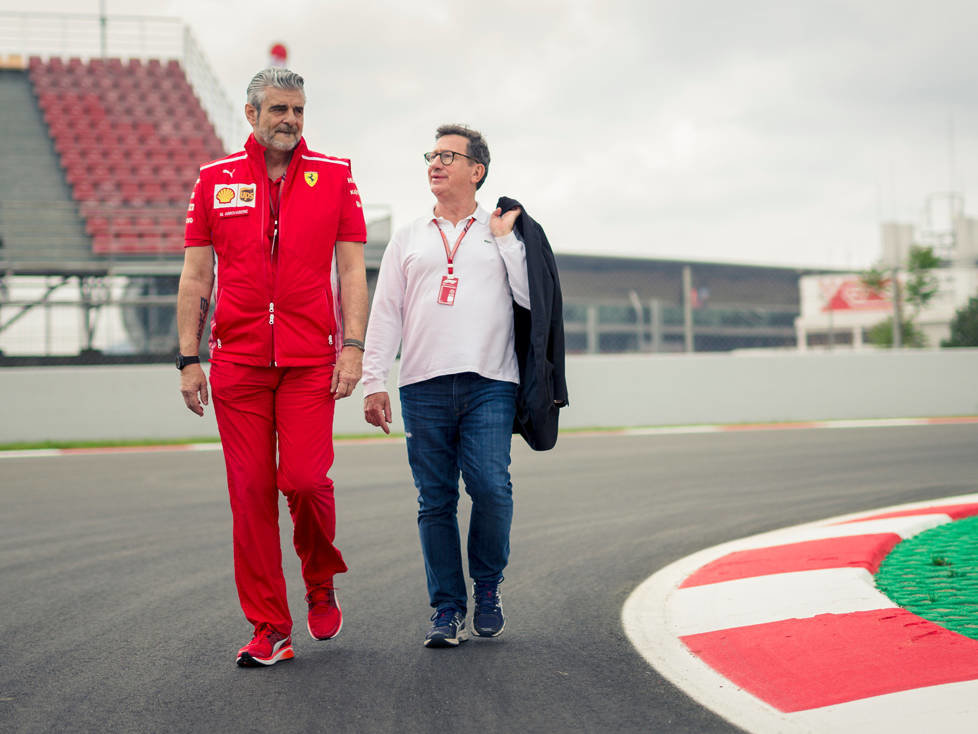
234,195
311,177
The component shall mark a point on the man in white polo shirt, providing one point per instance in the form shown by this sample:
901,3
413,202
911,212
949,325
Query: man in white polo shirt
445,295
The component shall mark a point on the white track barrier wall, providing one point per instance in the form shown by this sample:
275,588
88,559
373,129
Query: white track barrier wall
143,402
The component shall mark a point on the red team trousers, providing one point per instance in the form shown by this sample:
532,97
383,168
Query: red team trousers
253,406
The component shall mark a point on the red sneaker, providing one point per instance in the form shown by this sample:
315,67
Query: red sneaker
325,615
266,648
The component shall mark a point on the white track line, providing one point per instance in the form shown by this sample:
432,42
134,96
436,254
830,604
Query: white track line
653,431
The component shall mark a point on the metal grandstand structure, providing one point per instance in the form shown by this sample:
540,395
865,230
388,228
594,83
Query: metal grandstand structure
88,36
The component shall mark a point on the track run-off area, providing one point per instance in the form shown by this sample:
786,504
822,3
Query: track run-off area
120,613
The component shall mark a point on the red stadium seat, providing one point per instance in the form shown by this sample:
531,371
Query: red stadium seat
101,244
76,175
84,191
144,224
145,130
97,225
121,148
127,242
130,192
108,189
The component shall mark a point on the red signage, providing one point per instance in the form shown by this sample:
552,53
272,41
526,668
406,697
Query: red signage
853,295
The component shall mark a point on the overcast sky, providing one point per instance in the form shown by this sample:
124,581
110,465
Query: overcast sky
763,132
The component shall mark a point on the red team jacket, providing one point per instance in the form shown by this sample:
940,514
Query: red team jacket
274,307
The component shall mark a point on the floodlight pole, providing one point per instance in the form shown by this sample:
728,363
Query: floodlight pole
688,308
897,321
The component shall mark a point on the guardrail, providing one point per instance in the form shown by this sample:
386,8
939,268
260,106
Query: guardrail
143,402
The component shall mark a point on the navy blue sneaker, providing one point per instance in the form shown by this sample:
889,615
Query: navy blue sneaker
487,619
447,629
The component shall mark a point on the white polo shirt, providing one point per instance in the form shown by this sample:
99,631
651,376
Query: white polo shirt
475,333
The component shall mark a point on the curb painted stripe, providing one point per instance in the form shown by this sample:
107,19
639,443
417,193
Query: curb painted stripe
799,664
659,615
764,599
862,551
905,526
805,425
955,512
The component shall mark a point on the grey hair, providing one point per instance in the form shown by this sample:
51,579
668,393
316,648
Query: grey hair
273,77
477,146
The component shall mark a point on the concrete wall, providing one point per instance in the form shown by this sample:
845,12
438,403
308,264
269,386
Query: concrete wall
142,402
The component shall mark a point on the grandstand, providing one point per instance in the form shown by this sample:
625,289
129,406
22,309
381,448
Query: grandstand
130,164
103,125
98,170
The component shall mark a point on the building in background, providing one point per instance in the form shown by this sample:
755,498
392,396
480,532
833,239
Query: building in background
617,304
838,310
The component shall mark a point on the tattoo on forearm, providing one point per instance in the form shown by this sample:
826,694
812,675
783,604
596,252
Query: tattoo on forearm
205,305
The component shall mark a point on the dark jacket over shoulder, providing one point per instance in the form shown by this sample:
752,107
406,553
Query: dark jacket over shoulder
539,338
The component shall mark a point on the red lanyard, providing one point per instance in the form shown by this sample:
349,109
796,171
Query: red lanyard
450,254
274,200
275,193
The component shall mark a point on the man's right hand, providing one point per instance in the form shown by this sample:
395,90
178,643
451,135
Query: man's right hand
377,410
193,387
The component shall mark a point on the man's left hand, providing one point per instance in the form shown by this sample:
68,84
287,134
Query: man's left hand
502,224
347,373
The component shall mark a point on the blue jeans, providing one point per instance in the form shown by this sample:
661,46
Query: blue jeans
464,423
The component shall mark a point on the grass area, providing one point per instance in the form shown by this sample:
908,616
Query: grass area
935,575
34,445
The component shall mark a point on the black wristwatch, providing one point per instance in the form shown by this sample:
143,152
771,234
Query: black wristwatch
184,361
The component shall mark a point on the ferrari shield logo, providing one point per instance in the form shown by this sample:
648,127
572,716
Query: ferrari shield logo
311,177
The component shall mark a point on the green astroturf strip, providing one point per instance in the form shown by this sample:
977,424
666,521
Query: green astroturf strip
935,575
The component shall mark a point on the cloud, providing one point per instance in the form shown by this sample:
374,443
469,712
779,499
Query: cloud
753,131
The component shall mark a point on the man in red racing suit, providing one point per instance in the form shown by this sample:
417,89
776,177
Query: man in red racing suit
286,228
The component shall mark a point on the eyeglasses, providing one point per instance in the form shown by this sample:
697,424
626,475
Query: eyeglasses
447,157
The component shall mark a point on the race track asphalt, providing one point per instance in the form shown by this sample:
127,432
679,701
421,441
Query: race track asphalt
118,609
